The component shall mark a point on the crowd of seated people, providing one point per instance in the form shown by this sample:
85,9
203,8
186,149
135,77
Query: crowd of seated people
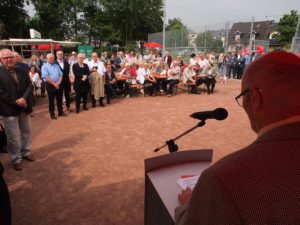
103,77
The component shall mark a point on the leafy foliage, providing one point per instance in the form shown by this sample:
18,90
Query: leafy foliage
13,19
287,27
175,24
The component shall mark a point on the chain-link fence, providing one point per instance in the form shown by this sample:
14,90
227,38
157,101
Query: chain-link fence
186,41
223,37
296,45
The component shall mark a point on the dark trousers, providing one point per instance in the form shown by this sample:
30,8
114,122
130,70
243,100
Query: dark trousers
81,95
3,138
171,84
66,91
231,69
210,84
110,92
5,208
53,94
43,87
150,86
240,71
198,82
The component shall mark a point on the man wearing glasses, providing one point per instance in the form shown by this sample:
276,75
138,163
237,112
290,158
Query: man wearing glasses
15,108
260,183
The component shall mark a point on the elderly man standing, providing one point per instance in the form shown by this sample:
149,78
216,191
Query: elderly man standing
260,183
97,70
53,75
65,82
15,107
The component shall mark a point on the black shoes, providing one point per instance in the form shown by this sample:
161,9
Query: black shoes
62,114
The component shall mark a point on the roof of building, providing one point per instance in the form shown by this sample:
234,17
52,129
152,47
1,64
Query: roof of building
262,29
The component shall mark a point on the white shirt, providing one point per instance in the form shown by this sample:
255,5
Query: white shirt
35,79
61,63
175,70
141,74
188,74
193,61
101,68
203,64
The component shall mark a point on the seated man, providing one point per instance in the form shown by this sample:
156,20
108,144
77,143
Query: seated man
189,77
211,80
173,78
260,183
110,83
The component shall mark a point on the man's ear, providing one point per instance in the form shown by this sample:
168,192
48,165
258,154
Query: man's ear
256,98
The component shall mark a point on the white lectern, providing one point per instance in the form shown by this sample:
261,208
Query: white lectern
161,175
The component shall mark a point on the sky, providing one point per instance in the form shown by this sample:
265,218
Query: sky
197,14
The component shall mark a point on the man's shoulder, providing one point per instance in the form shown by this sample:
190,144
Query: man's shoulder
21,69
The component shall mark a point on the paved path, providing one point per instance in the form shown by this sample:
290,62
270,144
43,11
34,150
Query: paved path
89,167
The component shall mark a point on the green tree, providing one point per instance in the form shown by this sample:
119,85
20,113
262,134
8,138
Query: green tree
207,43
133,19
175,24
13,19
50,18
287,28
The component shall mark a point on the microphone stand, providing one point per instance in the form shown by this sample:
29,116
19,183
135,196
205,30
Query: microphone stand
171,143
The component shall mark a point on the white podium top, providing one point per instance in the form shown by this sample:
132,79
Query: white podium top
164,180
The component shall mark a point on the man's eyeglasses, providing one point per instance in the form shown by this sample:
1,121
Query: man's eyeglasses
239,98
8,57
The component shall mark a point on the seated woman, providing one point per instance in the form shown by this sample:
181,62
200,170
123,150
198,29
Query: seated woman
144,76
81,82
35,78
173,78
126,72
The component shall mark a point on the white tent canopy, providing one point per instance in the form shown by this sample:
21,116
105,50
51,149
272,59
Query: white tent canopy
23,42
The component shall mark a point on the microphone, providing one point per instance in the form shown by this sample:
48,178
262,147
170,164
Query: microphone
218,114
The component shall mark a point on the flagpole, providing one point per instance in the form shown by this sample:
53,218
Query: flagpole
164,30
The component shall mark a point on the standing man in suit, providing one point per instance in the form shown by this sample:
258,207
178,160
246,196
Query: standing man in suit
53,75
260,183
15,108
65,82
168,59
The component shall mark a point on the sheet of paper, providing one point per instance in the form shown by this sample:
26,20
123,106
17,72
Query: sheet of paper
186,182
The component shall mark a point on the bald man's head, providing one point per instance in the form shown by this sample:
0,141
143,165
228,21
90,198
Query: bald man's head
273,82
274,69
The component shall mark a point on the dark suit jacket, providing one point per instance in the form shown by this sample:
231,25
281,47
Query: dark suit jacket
66,72
169,60
118,62
109,79
10,91
24,66
259,184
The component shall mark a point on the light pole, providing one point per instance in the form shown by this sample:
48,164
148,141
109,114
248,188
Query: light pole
164,30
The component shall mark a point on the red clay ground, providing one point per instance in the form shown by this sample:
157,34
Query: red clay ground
89,167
